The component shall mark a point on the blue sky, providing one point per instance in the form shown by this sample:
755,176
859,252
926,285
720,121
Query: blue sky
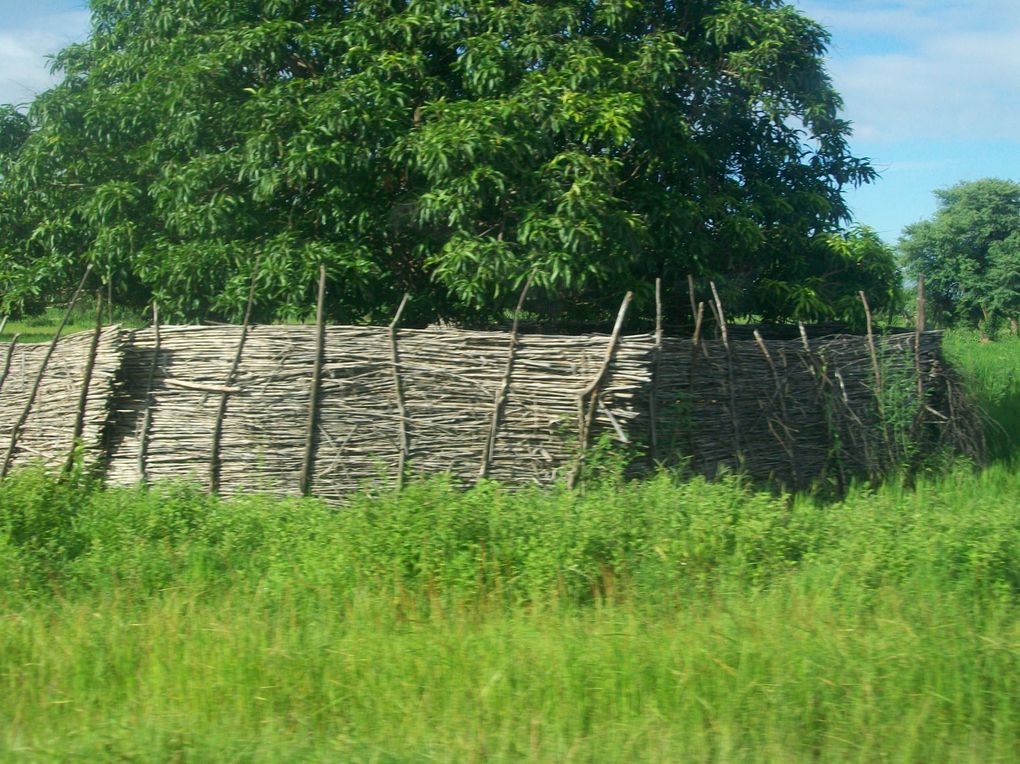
931,86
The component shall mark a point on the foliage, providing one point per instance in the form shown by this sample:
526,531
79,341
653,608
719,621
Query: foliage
969,253
444,149
825,286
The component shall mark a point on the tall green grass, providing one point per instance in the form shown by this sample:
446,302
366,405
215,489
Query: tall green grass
669,620
992,373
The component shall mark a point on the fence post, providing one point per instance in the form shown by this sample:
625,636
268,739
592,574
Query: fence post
214,456
691,296
696,348
308,461
7,360
918,331
879,395
786,441
738,452
16,431
504,387
834,447
83,397
653,403
591,391
403,440
143,440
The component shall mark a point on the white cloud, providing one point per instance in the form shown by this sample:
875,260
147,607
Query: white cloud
24,68
917,69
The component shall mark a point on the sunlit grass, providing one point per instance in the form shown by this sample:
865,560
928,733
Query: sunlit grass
659,621
42,327
992,373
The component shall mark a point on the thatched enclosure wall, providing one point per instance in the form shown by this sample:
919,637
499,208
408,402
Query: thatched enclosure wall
232,407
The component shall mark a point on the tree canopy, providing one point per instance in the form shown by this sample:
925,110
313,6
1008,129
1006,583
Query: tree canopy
449,149
969,252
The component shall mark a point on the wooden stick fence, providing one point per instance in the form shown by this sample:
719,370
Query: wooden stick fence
384,403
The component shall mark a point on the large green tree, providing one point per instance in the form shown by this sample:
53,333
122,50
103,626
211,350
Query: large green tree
969,252
445,148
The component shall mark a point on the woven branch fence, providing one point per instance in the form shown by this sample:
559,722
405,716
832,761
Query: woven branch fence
331,410
51,404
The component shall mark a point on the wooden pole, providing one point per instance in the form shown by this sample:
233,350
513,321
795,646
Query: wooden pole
786,441
7,360
692,368
738,453
221,411
16,431
403,439
871,344
691,296
653,395
879,397
143,440
834,446
591,391
83,397
504,387
305,480
3,325
918,332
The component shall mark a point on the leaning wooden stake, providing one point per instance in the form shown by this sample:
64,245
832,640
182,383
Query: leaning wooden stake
871,343
920,416
221,411
16,431
86,383
143,438
3,324
7,360
804,339
720,315
815,367
691,296
403,440
786,440
586,417
876,369
308,461
504,386
918,332
653,394
696,348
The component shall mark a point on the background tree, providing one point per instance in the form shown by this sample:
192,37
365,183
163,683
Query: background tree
825,284
449,149
969,252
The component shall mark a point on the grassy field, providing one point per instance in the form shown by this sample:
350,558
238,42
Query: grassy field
42,327
660,621
992,371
